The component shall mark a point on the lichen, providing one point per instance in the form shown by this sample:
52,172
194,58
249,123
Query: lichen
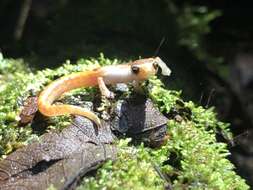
190,159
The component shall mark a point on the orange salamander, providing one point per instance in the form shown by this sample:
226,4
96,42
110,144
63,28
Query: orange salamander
135,71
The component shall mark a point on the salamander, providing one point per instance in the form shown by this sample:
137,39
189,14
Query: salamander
135,71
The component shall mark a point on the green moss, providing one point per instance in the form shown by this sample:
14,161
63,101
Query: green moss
191,159
17,82
129,176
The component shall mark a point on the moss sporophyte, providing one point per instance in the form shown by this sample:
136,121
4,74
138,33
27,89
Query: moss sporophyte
190,159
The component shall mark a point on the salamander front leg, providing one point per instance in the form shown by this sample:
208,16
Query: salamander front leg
104,90
105,103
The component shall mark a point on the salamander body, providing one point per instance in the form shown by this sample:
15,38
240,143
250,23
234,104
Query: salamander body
138,70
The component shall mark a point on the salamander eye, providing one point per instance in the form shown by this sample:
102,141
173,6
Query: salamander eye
155,65
135,69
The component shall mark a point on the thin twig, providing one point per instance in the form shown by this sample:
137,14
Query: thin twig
159,46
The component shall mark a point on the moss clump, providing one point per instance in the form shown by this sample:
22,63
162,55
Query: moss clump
191,159
132,170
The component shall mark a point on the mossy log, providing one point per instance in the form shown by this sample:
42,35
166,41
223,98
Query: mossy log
191,159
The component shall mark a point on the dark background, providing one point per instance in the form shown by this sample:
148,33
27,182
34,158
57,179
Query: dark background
207,44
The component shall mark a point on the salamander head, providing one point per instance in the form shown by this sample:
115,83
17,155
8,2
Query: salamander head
144,68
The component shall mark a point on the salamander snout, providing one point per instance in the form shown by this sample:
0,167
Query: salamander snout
144,68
